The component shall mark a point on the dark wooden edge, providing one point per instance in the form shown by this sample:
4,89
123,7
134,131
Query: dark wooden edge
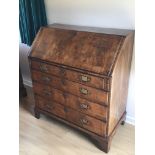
35,40
108,113
101,30
116,55
37,113
103,143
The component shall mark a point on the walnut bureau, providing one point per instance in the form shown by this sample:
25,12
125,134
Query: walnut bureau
80,77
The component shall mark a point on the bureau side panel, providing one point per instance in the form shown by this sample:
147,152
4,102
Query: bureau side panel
119,83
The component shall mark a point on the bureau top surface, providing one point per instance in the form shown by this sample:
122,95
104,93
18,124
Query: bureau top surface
90,51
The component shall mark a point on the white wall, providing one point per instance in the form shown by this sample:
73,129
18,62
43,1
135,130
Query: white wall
97,13
131,94
100,13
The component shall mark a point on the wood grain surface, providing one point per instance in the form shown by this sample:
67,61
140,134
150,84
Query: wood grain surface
94,52
80,77
80,90
69,100
119,84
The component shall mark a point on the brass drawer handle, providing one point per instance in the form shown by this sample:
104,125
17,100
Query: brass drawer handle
84,121
84,78
43,68
84,106
84,91
46,79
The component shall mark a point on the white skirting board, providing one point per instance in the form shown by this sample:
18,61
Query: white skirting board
27,83
129,119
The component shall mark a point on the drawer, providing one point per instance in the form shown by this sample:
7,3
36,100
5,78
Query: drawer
72,116
49,93
87,107
89,80
77,103
52,107
74,88
86,122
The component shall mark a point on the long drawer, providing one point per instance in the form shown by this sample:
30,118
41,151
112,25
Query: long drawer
82,120
72,101
93,81
80,90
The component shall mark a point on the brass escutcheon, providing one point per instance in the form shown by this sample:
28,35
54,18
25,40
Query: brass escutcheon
84,91
84,121
85,78
84,106
46,79
43,68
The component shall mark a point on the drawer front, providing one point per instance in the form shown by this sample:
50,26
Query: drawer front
77,103
52,107
49,93
72,116
83,91
97,82
86,107
86,122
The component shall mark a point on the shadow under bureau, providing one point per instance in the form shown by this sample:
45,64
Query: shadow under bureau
80,77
